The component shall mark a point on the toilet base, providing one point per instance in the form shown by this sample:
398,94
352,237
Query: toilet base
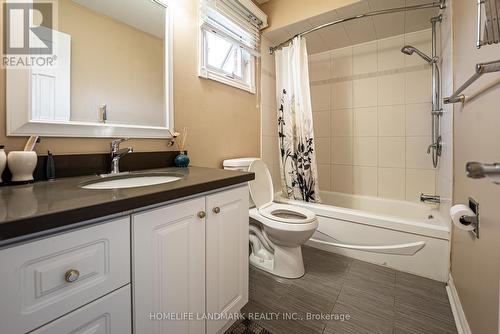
286,262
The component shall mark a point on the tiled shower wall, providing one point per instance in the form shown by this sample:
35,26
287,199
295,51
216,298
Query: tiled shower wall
372,118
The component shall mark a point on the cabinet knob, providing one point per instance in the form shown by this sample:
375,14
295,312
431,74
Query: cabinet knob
201,214
71,275
216,210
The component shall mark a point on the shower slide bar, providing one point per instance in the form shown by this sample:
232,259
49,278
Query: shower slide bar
481,68
440,4
398,249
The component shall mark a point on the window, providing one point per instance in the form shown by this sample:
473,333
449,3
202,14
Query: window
230,41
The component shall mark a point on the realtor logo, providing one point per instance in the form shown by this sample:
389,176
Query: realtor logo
28,34
28,28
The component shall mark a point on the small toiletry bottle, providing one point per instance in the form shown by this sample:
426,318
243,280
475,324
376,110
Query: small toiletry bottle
50,168
3,161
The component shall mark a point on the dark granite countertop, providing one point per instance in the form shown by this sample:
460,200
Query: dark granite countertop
31,210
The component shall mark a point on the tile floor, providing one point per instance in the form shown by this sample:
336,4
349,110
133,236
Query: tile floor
377,299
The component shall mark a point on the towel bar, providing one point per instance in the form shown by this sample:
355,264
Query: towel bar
481,68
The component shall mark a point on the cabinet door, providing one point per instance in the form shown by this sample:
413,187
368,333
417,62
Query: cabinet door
107,315
227,254
169,269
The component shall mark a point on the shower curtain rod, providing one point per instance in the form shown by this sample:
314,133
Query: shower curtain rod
440,4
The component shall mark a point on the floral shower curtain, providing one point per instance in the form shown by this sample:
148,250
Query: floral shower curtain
299,177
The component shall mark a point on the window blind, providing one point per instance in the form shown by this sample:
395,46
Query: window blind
232,20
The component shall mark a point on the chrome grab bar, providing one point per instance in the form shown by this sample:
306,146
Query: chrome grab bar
481,68
477,170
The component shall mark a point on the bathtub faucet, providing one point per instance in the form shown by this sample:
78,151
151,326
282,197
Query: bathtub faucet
435,199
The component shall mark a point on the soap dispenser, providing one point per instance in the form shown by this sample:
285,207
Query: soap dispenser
3,161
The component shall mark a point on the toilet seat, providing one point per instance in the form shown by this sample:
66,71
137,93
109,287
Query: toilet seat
287,213
262,193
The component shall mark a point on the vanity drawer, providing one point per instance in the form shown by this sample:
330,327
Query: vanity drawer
48,278
110,314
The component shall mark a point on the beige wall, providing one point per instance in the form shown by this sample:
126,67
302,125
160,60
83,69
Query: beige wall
223,121
475,263
285,12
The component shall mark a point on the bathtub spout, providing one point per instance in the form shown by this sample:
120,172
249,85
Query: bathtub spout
434,199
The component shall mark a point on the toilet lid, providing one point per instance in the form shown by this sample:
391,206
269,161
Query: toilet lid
261,189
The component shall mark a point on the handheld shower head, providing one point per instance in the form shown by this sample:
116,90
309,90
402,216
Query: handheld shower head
409,50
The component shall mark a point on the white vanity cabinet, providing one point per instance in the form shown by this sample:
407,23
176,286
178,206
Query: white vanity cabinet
190,262
186,261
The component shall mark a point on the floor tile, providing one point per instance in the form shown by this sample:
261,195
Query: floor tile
377,299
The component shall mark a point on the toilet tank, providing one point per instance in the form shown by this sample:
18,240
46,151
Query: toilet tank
241,164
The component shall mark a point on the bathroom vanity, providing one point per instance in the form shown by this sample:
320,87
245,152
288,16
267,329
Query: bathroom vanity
165,258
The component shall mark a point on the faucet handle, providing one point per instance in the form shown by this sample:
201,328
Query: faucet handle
116,143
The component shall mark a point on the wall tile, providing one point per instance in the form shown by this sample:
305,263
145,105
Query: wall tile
365,58
419,181
342,122
320,97
391,89
365,122
321,123
342,178
323,150
342,62
324,178
391,183
416,153
389,53
320,67
342,150
365,92
342,95
418,87
365,181
418,119
391,152
365,151
391,121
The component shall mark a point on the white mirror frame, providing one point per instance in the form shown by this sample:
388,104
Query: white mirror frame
18,105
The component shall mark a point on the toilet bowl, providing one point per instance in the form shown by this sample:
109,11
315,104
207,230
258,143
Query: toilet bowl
279,230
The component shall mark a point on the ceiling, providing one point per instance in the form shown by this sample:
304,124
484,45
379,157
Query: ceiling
144,15
359,30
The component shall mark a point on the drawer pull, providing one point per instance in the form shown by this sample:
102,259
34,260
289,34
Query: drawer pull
201,214
71,275
216,210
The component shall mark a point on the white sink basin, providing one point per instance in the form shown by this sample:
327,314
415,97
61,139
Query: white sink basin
132,180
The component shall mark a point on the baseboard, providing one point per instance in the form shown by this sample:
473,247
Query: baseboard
456,308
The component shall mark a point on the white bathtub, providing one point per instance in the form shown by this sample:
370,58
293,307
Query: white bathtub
391,226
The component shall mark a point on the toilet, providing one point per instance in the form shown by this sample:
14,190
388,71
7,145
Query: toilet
277,231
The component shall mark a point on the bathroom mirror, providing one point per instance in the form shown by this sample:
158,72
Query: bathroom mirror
111,74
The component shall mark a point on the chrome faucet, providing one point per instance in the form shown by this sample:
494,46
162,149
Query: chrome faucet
434,199
117,154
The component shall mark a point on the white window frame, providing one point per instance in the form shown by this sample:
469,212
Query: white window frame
208,72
